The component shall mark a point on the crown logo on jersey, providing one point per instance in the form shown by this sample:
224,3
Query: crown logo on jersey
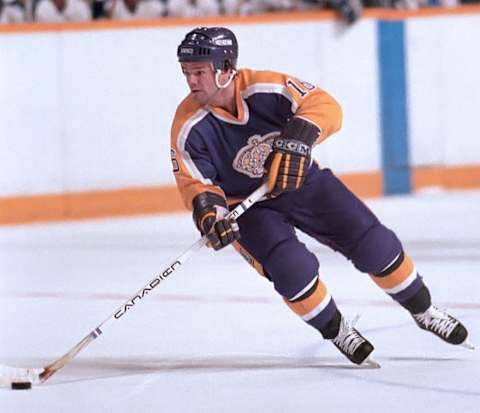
250,159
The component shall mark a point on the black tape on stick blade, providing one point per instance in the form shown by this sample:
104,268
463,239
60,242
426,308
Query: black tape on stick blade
21,385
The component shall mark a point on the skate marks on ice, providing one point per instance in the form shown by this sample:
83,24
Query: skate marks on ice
206,298
427,249
408,384
103,368
444,250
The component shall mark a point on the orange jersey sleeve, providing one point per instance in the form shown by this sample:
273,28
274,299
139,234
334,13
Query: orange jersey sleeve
309,101
190,181
318,107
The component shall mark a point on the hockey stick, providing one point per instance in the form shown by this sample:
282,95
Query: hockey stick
15,376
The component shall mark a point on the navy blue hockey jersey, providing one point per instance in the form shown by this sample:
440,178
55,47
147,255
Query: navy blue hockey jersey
214,151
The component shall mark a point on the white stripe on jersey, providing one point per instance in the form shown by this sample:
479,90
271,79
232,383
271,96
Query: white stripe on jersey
270,88
243,121
258,88
201,113
181,140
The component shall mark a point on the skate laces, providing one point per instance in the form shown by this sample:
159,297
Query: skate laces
348,339
437,320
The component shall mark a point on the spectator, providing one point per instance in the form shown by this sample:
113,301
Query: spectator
410,4
189,8
98,9
134,9
12,11
349,10
54,11
245,7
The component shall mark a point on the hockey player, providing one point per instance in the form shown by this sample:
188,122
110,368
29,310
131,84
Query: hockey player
239,127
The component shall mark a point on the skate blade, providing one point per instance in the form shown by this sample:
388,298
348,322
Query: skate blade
468,345
371,363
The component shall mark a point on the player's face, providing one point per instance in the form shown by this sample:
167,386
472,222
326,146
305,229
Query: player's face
201,80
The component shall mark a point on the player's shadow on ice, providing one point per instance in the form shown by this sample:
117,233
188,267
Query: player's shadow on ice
92,369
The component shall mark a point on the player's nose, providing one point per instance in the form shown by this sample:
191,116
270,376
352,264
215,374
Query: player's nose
192,82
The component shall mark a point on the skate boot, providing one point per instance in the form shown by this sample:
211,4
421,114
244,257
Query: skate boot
352,344
443,325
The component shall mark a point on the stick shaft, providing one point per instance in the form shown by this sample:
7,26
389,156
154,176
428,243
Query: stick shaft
56,365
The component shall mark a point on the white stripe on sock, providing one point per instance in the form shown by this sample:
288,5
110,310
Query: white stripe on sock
404,284
318,309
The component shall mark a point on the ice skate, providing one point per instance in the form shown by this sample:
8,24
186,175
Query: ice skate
443,325
353,345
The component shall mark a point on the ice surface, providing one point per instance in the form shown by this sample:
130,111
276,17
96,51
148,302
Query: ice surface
215,337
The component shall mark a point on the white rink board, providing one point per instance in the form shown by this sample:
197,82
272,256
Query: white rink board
102,116
88,110
443,67
31,135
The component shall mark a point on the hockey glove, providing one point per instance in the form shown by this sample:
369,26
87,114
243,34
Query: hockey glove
288,163
209,211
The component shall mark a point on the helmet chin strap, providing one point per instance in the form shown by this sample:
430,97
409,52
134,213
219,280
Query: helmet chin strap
218,72
220,87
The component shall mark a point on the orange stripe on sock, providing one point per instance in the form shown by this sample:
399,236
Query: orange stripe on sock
397,276
308,304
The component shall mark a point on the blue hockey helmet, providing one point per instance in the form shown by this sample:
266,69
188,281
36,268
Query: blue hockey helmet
210,44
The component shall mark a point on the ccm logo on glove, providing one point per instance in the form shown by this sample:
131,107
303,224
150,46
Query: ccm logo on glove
288,163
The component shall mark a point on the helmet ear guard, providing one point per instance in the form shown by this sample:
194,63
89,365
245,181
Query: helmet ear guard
229,80
210,44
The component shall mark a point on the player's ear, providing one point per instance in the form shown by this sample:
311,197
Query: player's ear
227,66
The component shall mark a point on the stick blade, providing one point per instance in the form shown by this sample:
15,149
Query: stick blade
9,375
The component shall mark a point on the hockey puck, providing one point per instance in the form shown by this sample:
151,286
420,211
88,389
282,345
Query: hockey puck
21,385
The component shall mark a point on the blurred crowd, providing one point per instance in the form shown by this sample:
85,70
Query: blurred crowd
17,11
